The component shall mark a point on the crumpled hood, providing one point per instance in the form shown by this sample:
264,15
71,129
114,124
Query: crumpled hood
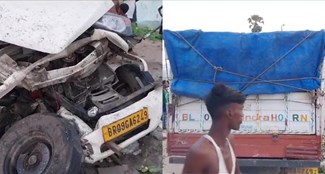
48,26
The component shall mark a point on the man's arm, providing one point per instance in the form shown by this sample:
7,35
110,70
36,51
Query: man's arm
231,140
197,161
116,8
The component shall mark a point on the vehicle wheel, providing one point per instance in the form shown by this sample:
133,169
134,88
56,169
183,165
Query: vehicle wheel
133,76
40,144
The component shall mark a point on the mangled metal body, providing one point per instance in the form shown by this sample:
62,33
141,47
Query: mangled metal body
93,82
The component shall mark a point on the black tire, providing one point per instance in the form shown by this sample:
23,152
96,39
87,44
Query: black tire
129,74
41,143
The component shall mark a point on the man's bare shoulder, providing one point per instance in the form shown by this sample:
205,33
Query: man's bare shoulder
199,158
201,148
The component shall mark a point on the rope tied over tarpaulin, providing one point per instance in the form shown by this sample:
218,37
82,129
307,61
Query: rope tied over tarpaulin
278,60
256,79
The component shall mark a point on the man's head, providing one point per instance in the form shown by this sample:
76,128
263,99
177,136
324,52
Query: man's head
165,84
226,104
124,8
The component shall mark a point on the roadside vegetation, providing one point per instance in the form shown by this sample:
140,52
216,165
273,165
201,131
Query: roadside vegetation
142,31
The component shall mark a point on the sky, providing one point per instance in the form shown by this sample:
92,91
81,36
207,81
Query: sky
232,15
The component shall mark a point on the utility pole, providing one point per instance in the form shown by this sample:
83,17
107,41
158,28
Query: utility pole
282,27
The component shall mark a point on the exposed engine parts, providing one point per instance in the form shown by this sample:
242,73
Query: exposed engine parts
80,78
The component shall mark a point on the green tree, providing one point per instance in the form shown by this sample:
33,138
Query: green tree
255,23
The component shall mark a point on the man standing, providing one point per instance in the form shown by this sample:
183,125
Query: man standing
165,103
160,10
213,153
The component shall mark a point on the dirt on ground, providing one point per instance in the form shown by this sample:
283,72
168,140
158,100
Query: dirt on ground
148,157
151,51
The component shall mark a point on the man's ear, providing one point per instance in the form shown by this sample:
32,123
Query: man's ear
229,113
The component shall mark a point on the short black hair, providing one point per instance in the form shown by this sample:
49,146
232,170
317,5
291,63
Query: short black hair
164,81
124,7
221,96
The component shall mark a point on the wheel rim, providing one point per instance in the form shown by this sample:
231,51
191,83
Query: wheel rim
31,157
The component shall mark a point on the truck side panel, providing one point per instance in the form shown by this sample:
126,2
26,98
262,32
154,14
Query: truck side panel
257,146
293,113
275,126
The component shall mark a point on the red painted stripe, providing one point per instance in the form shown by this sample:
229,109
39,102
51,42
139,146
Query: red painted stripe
257,146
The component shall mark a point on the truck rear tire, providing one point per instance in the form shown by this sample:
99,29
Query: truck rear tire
40,143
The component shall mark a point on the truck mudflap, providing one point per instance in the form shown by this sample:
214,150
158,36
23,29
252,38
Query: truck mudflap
146,111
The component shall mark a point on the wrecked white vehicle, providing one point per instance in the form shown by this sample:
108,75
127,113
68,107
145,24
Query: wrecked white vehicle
70,93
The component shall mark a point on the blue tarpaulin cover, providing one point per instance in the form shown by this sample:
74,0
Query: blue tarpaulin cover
255,63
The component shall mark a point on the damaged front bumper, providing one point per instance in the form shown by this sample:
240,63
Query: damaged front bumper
94,141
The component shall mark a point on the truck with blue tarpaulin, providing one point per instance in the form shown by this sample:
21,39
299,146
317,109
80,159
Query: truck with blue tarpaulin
282,75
